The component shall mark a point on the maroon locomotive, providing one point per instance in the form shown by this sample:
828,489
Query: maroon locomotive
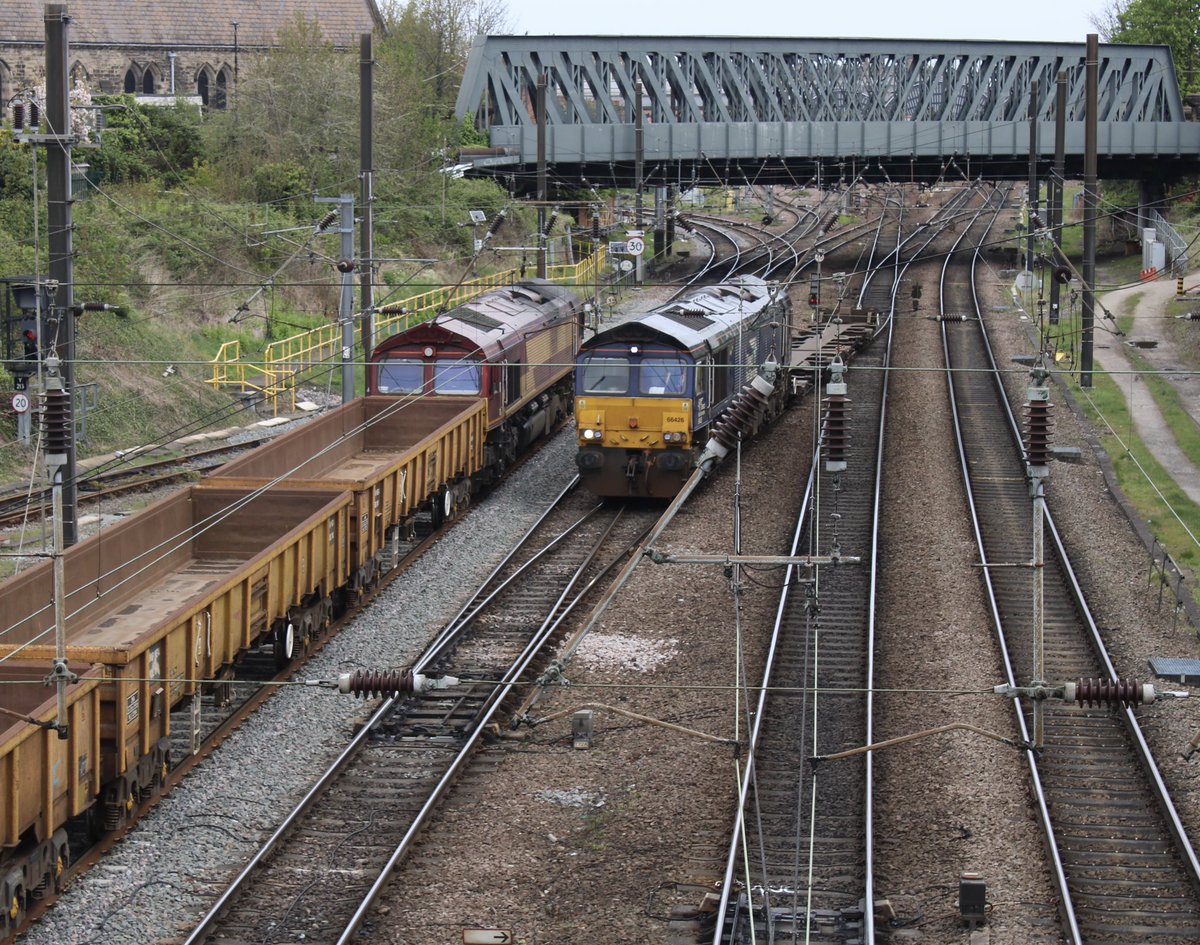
514,347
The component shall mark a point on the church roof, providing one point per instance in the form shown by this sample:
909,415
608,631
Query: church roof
183,23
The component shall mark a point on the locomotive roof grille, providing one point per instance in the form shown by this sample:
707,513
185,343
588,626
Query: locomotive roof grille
690,317
478,319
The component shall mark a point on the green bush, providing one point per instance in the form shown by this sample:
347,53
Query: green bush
143,143
280,181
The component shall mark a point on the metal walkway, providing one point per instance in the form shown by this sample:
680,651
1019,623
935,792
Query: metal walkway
776,110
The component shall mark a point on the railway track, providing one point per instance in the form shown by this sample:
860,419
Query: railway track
18,506
799,863
200,726
318,876
1123,867
803,878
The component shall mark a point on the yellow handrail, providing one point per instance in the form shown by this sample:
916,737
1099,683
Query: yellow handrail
286,360
227,369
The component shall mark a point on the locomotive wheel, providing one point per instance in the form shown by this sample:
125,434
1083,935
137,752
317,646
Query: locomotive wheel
283,642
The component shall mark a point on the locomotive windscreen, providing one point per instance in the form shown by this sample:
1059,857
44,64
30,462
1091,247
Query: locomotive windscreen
400,376
455,377
604,376
662,376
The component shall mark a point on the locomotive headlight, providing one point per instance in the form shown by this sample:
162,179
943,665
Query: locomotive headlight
591,434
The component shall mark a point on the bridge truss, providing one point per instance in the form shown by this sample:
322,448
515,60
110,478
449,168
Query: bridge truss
777,110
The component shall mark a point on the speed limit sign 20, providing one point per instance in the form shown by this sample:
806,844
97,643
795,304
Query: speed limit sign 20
20,402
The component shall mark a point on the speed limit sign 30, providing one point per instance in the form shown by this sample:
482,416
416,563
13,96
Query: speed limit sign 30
635,246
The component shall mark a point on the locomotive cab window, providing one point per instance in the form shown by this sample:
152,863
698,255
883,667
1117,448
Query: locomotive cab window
666,376
401,376
456,377
514,383
604,375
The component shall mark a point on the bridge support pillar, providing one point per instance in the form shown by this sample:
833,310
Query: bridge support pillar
1150,196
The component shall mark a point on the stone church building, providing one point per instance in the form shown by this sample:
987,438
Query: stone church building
165,48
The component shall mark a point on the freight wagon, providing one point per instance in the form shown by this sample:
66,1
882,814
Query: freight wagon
397,457
45,781
165,603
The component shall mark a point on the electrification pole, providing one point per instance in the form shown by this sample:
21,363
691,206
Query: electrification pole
638,159
1056,185
58,417
366,122
58,140
1033,181
1089,211
542,189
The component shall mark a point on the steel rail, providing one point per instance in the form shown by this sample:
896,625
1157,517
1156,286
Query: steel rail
724,906
1078,597
1066,906
497,698
560,609
339,763
732,857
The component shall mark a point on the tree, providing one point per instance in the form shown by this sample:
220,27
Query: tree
420,64
440,33
1173,23
293,118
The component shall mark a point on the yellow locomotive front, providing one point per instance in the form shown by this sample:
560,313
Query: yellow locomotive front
634,419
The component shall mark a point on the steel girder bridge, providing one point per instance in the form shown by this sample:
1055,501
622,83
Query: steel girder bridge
787,111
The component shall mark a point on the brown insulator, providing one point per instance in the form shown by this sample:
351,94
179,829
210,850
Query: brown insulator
375,684
1126,692
740,417
835,433
35,118
18,115
1037,438
56,421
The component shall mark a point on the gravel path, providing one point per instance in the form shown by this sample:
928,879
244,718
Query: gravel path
1147,304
